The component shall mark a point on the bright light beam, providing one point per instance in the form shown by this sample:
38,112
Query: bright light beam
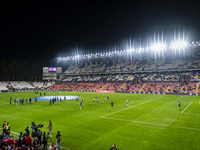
179,44
159,47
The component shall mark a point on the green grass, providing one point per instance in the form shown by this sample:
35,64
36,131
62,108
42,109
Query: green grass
150,122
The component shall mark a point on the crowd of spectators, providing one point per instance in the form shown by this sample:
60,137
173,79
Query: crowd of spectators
28,140
123,66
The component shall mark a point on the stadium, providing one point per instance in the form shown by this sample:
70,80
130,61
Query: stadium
133,95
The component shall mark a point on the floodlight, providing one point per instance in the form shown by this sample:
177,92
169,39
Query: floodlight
179,44
159,47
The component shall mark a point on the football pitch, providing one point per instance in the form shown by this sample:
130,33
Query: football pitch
149,122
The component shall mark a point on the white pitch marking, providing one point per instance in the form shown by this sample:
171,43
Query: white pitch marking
186,107
193,113
11,132
130,107
150,123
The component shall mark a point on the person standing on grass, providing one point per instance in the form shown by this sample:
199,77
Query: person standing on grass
10,100
112,105
94,100
29,100
36,100
50,102
179,104
32,129
58,140
8,128
44,140
81,103
27,132
22,101
36,143
17,102
39,135
127,102
4,127
60,100
104,98
107,97
50,128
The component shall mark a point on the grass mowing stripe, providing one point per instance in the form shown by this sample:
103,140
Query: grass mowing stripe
130,107
150,123
186,107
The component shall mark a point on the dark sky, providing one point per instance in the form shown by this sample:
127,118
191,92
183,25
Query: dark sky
45,30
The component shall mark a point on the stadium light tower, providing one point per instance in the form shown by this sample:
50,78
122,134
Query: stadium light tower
158,47
179,44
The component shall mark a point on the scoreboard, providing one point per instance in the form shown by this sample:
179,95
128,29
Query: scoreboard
52,70
52,73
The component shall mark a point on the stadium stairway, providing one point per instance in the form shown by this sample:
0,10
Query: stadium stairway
84,69
125,83
197,88
87,86
168,88
150,66
31,83
113,70
130,78
132,67
173,77
97,78
197,84
121,86
99,68
142,87
60,86
103,86
73,70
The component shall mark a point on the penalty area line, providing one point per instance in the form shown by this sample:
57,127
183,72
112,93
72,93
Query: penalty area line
186,107
150,123
130,107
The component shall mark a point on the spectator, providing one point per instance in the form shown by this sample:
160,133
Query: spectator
44,140
27,132
114,147
50,128
39,135
32,129
28,140
52,147
36,143
58,140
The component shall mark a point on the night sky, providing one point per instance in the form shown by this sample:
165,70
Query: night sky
43,31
